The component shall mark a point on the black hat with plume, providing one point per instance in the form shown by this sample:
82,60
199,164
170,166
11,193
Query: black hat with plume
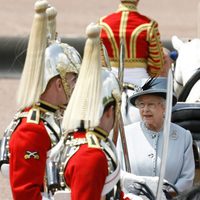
153,86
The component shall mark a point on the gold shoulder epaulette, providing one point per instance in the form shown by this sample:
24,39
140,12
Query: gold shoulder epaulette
92,140
33,116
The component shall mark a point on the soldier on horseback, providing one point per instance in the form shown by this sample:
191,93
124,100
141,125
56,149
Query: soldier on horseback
143,50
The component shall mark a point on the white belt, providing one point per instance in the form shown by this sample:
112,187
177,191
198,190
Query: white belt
133,75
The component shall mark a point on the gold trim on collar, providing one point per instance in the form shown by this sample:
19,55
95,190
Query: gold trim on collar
45,106
127,7
100,133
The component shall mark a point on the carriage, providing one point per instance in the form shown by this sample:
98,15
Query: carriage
186,113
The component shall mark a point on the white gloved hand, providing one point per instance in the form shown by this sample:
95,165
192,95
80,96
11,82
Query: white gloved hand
129,181
152,182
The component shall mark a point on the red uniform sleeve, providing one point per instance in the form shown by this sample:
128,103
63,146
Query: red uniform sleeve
155,59
86,172
28,151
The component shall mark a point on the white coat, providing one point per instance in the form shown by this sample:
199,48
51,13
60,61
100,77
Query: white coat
145,149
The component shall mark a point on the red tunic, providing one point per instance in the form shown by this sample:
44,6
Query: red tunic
28,147
143,48
86,172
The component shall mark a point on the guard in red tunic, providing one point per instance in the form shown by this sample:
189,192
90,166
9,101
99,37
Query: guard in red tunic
87,160
142,56
143,49
47,81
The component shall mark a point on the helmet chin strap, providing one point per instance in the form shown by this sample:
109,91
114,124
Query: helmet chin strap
62,72
117,98
67,89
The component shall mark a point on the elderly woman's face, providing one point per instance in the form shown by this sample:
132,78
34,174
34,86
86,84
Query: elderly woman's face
152,110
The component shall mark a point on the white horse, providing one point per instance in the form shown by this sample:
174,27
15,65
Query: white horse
187,63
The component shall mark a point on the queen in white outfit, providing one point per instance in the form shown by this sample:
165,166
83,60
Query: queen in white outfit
145,139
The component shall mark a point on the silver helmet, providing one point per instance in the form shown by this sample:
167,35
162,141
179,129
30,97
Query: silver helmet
61,58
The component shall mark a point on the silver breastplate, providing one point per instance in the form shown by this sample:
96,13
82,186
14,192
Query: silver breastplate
56,170
52,128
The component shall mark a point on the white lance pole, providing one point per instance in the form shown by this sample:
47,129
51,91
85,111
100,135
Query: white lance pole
166,133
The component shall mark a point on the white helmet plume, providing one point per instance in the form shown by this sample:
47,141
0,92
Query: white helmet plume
85,100
32,76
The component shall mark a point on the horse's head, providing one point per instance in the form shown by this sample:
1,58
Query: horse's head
188,60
